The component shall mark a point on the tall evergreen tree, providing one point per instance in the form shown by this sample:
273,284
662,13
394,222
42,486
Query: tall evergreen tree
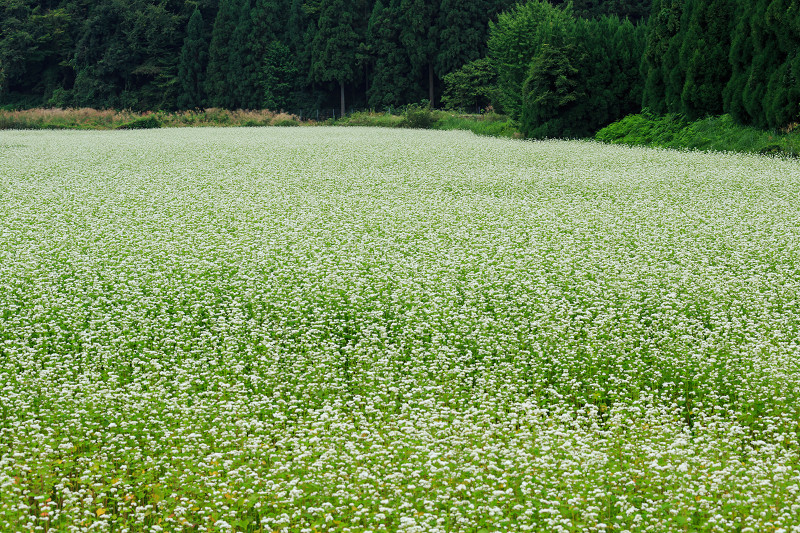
462,38
704,56
191,66
740,58
280,76
661,89
765,60
390,82
267,27
782,95
333,51
420,35
243,90
217,79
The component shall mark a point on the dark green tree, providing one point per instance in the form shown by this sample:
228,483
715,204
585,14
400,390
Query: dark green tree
782,95
634,10
663,84
281,77
268,26
335,45
576,89
244,91
704,56
217,79
463,30
35,46
420,36
390,84
191,67
552,93
740,57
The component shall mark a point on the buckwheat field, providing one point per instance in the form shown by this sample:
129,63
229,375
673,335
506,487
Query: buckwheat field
319,329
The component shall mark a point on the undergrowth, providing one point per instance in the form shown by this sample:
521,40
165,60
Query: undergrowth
719,133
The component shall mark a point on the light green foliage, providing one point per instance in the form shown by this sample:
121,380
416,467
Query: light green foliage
473,86
712,133
363,329
517,37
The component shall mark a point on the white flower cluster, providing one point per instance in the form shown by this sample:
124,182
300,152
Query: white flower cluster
375,330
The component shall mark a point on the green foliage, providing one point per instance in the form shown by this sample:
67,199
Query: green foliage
634,10
473,86
371,119
463,31
280,76
243,76
489,124
517,37
720,133
420,37
552,93
704,56
335,42
217,74
660,54
389,85
418,117
144,123
575,88
193,59
335,45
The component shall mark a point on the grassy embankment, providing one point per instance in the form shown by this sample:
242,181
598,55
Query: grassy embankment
719,134
412,117
670,131
109,119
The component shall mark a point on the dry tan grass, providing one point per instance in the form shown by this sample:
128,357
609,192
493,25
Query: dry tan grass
88,118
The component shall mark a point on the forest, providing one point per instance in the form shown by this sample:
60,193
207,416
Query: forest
559,69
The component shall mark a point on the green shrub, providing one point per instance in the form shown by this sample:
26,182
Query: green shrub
417,116
143,123
712,133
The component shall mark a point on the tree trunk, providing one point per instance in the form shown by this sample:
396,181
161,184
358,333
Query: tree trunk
430,86
341,84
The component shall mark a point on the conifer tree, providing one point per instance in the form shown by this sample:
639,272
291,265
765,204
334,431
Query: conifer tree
333,51
660,65
194,55
763,63
740,58
463,31
280,76
243,89
782,95
217,77
517,37
390,81
704,56
268,20
419,34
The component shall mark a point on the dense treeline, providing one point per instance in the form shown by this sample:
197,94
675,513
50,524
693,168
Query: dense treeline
290,54
741,57
563,75
558,68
